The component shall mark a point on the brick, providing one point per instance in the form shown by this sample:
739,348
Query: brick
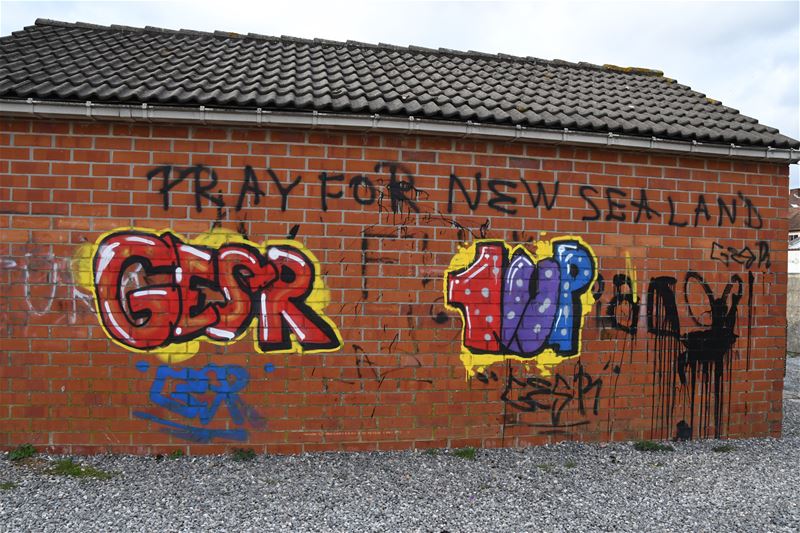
398,380
33,140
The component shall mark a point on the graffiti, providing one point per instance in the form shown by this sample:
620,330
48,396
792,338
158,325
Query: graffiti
613,208
709,350
250,185
519,305
371,258
763,254
695,365
197,395
362,189
45,280
745,256
47,274
520,300
664,326
498,200
500,195
618,320
623,309
370,376
551,394
213,289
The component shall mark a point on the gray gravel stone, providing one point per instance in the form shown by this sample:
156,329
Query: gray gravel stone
563,487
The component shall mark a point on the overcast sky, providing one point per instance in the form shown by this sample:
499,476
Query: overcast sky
746,54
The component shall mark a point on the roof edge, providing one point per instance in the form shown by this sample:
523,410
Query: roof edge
376,123
634,71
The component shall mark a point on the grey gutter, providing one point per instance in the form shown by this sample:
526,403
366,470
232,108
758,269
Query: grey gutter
376,123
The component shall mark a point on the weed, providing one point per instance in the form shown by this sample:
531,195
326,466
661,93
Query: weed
650,446
723,448
465,453
23,451
8,485
68,467
242,455
174,454
545,467
431,451
570,464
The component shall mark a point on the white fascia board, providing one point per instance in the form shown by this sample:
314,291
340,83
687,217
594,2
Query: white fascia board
376,123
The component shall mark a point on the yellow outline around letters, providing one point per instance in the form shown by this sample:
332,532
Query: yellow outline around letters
545,361
318,299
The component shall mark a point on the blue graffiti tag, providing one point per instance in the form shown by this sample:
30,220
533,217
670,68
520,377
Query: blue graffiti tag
197,395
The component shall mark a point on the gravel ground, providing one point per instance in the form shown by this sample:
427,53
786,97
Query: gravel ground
565,487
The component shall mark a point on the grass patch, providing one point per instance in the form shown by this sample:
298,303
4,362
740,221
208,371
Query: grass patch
651,446
8,485
68,467
723,448
465,453
570,464
23,451
175,454
243,455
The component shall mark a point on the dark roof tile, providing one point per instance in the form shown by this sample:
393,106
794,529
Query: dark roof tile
120,64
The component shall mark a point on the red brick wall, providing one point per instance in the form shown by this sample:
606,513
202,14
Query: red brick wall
379,226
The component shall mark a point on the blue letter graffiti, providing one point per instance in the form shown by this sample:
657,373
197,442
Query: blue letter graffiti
198,395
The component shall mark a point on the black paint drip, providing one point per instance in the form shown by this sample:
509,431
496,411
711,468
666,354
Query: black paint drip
708,355
664,327
695,367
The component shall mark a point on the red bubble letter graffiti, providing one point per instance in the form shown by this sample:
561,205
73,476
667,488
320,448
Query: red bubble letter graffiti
211,290
520,305
142,318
